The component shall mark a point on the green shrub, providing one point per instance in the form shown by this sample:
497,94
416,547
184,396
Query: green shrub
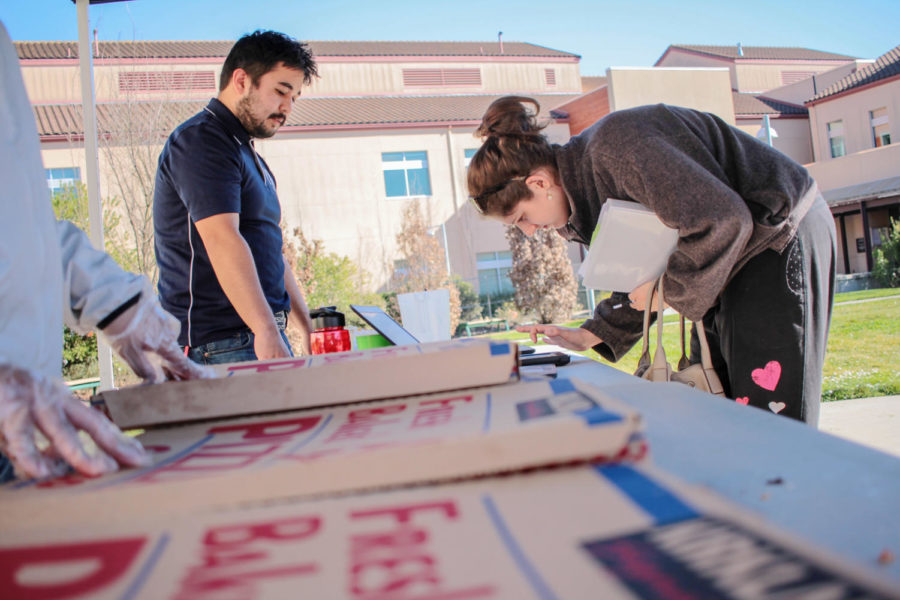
886,268
79,355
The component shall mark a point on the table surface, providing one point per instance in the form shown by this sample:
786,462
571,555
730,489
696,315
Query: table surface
832,492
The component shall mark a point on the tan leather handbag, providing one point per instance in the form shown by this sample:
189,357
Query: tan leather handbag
701,376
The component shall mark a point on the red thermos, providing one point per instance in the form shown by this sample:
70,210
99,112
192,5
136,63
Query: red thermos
328,333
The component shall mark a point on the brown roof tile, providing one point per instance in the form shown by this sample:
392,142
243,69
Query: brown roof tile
748,105
65,119
219,49
887,65
761,52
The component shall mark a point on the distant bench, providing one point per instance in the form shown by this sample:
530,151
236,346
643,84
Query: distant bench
88,383
486,326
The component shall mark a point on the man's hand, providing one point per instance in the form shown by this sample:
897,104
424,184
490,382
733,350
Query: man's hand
30,402
146,337
268,344
571,338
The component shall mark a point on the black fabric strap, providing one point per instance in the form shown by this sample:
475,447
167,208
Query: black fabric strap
125,306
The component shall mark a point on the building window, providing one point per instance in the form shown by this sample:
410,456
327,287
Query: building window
881,133
469,153
550,77
441,77
59,179
493,273
836,138
405,174
164,81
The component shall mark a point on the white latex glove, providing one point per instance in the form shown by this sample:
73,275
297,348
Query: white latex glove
31,403
146,337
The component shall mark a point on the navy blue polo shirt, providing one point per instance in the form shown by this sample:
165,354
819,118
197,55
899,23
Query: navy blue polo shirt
208,167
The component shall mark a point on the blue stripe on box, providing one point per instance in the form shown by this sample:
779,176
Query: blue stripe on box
562,386
487,414
598,416
537,583
146,569
661,504
498,348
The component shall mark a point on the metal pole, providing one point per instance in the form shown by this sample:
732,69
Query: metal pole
768,128
91,163
446,251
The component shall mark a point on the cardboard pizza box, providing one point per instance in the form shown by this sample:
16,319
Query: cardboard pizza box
439,437
321,380
611,532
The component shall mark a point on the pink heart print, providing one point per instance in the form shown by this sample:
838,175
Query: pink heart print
767,377
745,400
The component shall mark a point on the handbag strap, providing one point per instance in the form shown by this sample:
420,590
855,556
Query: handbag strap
684,362
644,361
659,318
705,358
659,366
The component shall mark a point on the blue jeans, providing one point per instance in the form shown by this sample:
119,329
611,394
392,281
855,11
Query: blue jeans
235,348
6,470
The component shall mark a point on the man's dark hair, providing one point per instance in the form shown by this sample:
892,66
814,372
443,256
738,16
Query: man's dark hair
259,52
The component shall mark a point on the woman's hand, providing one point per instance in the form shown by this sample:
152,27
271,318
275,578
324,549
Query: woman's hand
638,296
571,338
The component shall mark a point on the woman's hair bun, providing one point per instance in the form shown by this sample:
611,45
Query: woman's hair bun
510,116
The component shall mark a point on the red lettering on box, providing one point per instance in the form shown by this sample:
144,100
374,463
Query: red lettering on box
403,514
433,413
64,481
215,457
398,563
236,557
446,402
284,427
295,528
283,365
364,414
361,422
111,560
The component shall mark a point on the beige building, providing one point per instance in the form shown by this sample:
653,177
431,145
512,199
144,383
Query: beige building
392,122
386,123
854,124
833,113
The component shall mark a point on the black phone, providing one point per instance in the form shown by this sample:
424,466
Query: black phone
554,358
526,350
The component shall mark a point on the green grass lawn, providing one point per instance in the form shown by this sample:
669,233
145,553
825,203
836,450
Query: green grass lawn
863,357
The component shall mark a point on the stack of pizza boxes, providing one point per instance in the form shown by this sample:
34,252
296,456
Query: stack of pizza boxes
426,472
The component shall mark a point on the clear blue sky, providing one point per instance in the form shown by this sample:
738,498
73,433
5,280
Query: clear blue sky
604,32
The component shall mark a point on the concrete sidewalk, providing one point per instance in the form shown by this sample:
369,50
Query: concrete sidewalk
873,422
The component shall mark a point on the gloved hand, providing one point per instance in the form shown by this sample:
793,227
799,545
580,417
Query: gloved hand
146,337
30,401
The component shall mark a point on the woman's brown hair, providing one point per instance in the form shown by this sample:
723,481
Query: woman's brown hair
513,147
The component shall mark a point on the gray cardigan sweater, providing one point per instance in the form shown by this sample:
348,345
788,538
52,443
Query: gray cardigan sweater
729,195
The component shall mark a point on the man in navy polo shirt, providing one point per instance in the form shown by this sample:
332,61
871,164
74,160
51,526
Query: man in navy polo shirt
216,214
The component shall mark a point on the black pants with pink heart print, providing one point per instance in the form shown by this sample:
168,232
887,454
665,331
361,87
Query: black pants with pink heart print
767,333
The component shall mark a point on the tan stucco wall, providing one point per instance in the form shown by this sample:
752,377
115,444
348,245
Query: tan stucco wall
704,89
868,165
331,184
853,109
792,139
757,78
61,83
683,59
800,92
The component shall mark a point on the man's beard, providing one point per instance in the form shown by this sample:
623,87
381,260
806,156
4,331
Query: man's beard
256,127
